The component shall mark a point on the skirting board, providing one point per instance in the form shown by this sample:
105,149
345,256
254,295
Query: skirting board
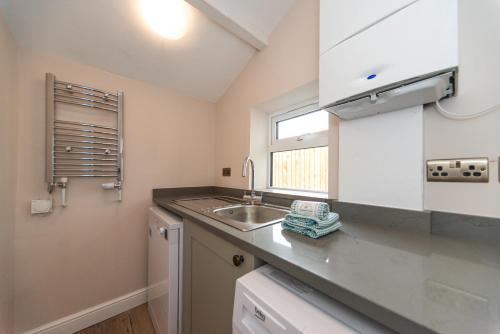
93,315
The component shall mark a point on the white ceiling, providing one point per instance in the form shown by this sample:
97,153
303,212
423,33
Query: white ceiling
111,35
251,20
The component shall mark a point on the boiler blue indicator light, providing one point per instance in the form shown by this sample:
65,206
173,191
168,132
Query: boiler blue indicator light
371,76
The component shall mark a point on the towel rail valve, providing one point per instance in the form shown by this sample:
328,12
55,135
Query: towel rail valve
62,183
114,185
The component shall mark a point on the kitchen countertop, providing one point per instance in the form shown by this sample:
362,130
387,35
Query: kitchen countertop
411,282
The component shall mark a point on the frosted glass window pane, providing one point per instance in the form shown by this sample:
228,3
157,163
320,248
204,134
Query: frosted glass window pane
309,123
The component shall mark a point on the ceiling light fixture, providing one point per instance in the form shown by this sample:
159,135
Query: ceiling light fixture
169,18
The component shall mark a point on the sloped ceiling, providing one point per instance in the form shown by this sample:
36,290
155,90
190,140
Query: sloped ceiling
111,35
251,20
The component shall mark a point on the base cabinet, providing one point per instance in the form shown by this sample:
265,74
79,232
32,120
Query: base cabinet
210,269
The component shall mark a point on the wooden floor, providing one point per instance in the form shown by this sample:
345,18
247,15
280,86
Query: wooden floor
134,321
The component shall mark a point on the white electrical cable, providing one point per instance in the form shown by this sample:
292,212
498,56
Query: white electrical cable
455,116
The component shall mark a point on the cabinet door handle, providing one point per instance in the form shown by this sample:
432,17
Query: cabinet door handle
238,260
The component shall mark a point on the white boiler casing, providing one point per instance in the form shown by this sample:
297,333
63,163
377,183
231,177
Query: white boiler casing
342,19
414,42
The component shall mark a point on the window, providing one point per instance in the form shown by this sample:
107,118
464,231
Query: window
309,123
303,169
299,149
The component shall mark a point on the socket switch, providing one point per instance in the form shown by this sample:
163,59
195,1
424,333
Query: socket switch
458,170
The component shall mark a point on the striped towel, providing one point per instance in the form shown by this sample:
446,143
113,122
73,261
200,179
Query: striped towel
312,227
318,210
305,221
311,231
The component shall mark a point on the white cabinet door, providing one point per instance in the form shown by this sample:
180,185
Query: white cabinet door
340,19
419,40
163,275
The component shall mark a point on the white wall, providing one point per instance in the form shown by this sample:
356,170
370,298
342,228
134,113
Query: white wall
8,119
479,51
95,249
381,159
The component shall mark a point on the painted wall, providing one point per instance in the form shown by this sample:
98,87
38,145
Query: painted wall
478,87
290,61
8,119
95,249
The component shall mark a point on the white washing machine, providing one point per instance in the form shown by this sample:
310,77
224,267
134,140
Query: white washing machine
268,301
165,271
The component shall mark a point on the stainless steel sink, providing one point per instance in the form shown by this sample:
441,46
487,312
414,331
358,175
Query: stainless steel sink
252,214
244,217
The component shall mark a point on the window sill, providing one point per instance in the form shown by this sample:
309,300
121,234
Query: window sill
297,193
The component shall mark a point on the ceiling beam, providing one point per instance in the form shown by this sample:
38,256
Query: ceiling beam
227,23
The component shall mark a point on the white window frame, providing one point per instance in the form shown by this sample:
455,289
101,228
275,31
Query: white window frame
308,140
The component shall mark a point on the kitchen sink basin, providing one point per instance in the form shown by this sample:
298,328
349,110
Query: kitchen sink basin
245,217
252,214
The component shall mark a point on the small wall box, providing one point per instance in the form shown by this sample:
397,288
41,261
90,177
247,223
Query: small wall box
41,206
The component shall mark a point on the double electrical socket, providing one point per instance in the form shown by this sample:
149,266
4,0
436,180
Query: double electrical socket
458,170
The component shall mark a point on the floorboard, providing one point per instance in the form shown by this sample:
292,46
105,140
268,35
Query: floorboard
134,321
140,320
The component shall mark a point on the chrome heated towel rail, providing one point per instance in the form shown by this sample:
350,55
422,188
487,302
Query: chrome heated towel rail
79,148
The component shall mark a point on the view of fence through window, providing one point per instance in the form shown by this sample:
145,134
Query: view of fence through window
302,169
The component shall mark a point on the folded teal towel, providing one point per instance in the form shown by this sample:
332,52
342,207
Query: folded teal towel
312,232
304,221
312,227
318,210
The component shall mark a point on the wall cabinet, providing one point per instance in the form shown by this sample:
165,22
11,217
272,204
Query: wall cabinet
211,267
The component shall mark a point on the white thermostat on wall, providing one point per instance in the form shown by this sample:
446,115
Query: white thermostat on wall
41,206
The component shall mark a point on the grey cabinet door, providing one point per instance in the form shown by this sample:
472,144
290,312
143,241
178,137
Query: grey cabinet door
209,280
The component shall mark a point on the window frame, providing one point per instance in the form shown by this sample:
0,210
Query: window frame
308,140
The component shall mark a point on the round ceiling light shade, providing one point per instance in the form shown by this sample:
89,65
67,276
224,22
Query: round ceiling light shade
168,18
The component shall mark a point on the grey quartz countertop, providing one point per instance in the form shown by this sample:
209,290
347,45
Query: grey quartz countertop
411,282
